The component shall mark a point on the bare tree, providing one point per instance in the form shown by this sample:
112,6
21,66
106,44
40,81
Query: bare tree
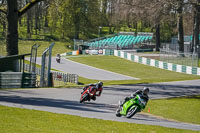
154,11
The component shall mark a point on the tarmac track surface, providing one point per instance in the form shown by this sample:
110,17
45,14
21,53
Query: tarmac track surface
85,71
66,101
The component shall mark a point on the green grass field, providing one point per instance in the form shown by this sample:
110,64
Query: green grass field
24,121
185,109
147,74
25,47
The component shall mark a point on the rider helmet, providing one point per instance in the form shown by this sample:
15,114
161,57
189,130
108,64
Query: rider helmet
100,84
145,91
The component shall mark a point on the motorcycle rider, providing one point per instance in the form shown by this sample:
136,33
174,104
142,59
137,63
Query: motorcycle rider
97,86
58,58
144,94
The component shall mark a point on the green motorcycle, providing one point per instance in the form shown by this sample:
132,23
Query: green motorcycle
131,107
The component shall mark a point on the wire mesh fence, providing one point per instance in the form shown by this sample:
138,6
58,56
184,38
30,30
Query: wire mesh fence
188,59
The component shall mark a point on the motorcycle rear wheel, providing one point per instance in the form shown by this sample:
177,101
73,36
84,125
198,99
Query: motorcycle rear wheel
131,112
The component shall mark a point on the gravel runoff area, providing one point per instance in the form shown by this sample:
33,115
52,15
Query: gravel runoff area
66,101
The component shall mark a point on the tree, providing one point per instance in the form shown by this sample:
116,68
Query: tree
154,11
72,17
46,14
28,20
13,14
180,4
195,40
3,18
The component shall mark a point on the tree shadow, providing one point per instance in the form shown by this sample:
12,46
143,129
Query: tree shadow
57,103
161,90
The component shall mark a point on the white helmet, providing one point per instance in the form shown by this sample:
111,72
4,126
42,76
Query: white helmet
145,91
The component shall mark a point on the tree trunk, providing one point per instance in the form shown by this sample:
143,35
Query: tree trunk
20,6
157,37
180,26
46,23
20,21
114,28
192,43
77,26
4,29
136,28
76,36
141,28
12,30
36,18
40,18
105,7
12,35
63,35
28,24
110,29
196,28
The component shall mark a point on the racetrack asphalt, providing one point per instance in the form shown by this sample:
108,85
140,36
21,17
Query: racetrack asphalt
85,71
66,101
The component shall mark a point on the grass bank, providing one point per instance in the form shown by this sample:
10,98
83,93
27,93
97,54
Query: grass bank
185,109
25,47
147,74
23,121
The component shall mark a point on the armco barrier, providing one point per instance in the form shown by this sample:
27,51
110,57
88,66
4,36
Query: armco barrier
17,80
11,79
157,63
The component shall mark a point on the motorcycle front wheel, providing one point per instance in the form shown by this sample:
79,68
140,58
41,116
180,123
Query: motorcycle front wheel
84,98
117,113
132,112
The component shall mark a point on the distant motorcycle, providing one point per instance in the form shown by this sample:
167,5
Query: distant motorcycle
58,58
87,94
131,107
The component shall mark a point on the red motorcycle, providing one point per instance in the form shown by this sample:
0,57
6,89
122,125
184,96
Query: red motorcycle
87,94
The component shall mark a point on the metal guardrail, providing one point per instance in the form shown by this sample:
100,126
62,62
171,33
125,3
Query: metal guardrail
17,80
10,79
59,76
29,80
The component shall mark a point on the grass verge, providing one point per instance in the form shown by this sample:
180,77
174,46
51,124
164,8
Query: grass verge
185,109
23,121
25,47
147,74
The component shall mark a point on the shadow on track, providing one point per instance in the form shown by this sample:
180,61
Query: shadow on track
161,90
66,104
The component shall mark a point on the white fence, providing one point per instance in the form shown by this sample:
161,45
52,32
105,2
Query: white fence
59,76
159,64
